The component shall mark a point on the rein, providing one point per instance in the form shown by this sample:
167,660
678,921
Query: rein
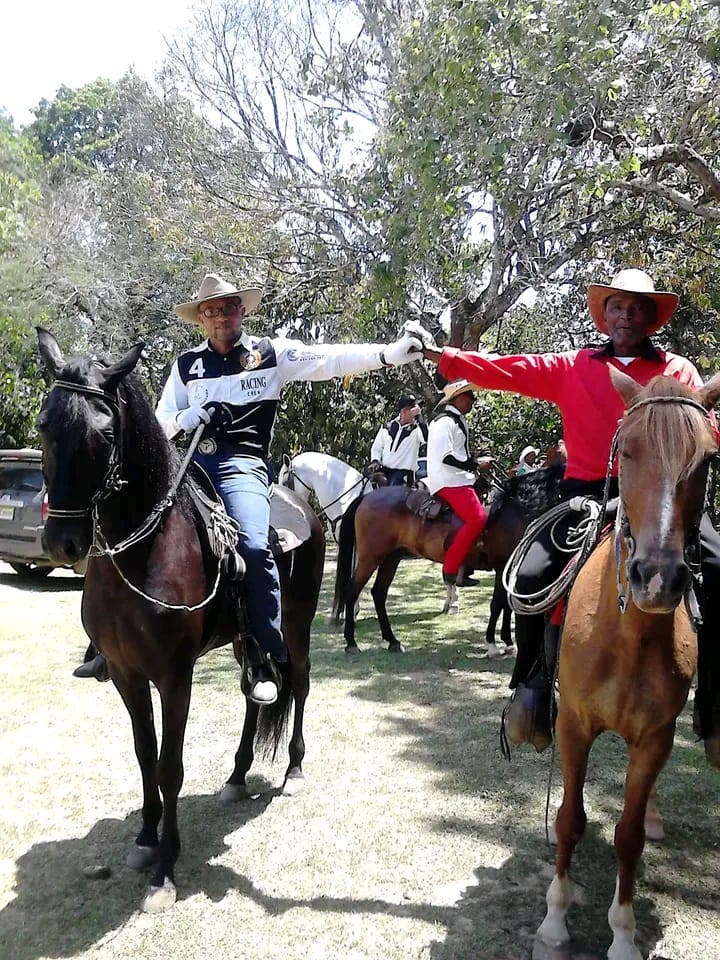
113,483
323,510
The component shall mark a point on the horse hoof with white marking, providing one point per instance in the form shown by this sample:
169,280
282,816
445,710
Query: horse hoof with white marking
159,898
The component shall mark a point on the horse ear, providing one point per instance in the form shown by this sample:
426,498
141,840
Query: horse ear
50,351
109,377
709,395
625,385
287,462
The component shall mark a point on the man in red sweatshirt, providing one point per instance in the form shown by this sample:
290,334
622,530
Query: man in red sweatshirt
627,310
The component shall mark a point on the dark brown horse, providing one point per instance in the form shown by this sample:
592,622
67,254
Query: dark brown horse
627,666
380,531
153,605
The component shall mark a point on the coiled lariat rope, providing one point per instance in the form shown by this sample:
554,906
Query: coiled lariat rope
579,542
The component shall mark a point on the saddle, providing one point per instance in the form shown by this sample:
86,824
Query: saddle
289,527
424,505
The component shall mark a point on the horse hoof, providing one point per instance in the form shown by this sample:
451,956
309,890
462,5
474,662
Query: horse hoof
352,651
712,751
654,829
141,857
396,647
294,784
159,898
233,793
511,650
493,652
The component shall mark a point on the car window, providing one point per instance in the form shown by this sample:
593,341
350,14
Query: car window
21,479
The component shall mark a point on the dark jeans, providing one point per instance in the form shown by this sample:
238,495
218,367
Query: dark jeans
543,564
399,478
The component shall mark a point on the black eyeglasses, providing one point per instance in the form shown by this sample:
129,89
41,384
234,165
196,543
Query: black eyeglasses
227,310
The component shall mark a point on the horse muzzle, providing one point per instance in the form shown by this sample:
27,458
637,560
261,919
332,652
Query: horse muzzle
67,541
658,584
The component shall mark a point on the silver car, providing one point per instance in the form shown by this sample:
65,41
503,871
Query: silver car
23,510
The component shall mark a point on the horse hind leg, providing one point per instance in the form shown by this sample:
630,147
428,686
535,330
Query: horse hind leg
135,692
569,828
647,758
360,577
385,576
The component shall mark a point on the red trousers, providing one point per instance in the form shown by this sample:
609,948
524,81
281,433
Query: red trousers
466,504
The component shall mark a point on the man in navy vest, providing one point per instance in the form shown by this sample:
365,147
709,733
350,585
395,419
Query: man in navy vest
396,447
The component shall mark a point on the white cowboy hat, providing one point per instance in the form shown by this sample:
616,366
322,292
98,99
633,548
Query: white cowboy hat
454,388
631,281
528,450
214,287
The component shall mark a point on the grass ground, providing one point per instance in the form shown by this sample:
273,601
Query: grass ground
412,839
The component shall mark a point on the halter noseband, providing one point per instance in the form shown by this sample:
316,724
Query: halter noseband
112,481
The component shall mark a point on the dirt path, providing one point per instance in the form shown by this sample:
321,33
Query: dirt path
413,838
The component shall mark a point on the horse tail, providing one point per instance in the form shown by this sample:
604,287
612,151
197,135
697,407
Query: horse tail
346,553
273,720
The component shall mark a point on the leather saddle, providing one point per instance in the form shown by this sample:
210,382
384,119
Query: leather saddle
424,505
289,526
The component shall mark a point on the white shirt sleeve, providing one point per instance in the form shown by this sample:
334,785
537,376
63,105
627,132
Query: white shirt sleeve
299,361
377,451
173,399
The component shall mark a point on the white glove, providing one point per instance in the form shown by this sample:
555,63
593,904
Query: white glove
408,348
416,329
191,418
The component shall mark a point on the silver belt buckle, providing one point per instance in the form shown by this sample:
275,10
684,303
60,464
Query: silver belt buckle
208,446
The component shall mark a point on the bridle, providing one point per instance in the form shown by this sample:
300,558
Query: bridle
623,532
322,510
113,483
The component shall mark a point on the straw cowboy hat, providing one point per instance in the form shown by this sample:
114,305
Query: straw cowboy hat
214,287
454,388
527,451
631,281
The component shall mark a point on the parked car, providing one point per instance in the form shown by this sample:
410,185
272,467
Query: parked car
23,511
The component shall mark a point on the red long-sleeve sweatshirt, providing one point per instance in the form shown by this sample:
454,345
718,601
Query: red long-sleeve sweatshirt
578,382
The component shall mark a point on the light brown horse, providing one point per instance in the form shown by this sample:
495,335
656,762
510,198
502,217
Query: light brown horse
630,672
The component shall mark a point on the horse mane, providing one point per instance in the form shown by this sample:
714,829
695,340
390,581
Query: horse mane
146,445
671,430
534,492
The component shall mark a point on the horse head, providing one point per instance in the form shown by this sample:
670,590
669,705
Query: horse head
79,426
665,443
285,476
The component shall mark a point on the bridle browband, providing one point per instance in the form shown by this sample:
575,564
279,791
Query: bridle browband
112,481
623,533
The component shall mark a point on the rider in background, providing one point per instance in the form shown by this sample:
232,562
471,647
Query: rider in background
396,447
627,310
527,461
451,476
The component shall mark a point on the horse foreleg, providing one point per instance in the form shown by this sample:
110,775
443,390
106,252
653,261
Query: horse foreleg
498,603
235,789
135,692
175,698
569,825
647,758
654,829
385,576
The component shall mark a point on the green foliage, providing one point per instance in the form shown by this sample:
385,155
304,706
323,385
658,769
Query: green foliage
21,385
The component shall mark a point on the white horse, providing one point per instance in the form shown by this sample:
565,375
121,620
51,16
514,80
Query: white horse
335,484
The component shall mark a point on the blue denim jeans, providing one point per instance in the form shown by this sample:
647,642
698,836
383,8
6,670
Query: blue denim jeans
242,482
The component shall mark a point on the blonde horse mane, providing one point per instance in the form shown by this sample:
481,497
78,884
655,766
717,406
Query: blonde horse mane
674,431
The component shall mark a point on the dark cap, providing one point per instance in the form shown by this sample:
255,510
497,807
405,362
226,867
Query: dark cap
405,402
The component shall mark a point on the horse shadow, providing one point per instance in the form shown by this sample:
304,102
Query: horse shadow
77,912
44,585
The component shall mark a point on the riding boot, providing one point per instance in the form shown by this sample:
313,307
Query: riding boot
529,715
97,668
459,579
261,679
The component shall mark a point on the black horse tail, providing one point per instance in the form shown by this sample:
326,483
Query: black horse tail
346,553
274,719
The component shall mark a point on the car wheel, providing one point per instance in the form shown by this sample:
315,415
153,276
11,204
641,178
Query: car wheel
30,570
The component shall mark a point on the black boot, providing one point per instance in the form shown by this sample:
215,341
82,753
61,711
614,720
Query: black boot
97,668
529,715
